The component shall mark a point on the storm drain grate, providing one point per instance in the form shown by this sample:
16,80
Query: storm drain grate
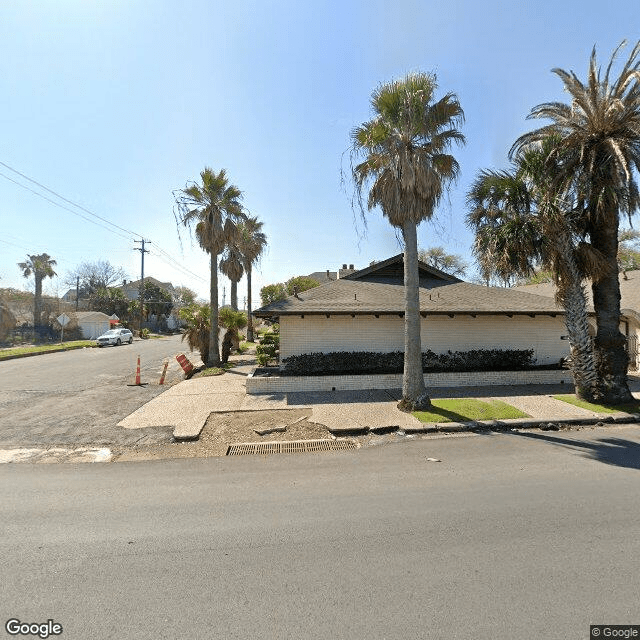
299,446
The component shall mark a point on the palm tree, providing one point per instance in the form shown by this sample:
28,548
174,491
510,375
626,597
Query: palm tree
519,227
406,169
251,242
41,267
214,206
599,143
232,267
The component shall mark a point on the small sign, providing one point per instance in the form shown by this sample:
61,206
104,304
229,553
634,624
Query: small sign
63,319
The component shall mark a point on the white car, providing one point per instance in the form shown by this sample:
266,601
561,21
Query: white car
115,337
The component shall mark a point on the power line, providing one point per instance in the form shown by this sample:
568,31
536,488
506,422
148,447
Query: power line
71,202
61,206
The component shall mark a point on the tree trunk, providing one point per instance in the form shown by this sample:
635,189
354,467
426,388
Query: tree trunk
414,393
249,318
610,344
37,302
234,295
571,295
214,347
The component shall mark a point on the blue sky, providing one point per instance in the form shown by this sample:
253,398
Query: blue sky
114,105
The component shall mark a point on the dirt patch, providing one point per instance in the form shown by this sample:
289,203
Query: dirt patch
233,427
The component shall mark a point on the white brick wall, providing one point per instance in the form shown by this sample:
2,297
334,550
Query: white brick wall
276,384
314,334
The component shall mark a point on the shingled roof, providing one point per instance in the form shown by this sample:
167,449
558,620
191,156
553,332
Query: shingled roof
379,289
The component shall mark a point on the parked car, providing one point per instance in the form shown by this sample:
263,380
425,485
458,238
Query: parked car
115,337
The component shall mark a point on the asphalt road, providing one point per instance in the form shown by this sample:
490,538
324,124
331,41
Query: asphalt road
78,397
510,537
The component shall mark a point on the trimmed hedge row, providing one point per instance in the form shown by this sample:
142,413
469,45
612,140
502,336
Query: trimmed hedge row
364,362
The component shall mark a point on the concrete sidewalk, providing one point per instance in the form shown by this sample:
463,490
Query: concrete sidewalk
186,406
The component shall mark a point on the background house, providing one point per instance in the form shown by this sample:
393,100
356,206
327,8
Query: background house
92,323
364,311
132,289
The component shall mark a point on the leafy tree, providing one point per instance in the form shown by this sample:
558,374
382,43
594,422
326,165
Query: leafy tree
405,169
280,290
157,301
628,251
40,267
300,284
92,276
273,293
448,262
599,148
110,300
214,207
251,242
183,296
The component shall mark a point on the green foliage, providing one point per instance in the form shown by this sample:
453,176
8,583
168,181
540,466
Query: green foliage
156,300
184,296
628,250
144,333
111,300
198,321
272,293
231,319
266,353
279,291
370,362
538,277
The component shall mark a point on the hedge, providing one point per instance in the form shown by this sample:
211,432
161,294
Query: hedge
371,362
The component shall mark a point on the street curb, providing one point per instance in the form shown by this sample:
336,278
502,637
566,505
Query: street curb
44,353
499,425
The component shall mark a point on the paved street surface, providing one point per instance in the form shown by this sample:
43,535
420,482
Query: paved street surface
512,536
78,397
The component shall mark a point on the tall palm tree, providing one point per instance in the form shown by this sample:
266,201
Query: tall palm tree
406,168
40,267
599,143
215,208
232,267
252,242
518,228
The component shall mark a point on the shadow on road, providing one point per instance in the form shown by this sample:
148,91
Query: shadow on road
614,451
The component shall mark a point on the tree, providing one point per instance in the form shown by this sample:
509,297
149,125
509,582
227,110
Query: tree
273,293
519,227
232,266
40,267
448,262
279,291
251,243
92,276
110,300
405,169
157,300
183,296
628,251
599,148
215,208
299,284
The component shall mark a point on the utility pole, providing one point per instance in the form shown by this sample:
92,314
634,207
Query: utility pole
77,290
142,251
224,295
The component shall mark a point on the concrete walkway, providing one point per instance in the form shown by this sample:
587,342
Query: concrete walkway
186,406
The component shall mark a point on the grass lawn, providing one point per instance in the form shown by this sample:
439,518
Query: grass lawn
631,407
467,409
215,371
35,350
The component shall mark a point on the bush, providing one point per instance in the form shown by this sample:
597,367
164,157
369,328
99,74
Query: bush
265,353
144,333
370,362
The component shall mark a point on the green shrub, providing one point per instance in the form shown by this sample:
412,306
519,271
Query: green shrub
144,333
370,362
265,353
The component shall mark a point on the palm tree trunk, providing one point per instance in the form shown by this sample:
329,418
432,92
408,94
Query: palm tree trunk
572,297
234,295
214,347
414,393
610,344
37,302
249,318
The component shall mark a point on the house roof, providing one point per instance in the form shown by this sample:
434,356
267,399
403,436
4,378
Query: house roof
135,284
379,289
95,316
629,293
